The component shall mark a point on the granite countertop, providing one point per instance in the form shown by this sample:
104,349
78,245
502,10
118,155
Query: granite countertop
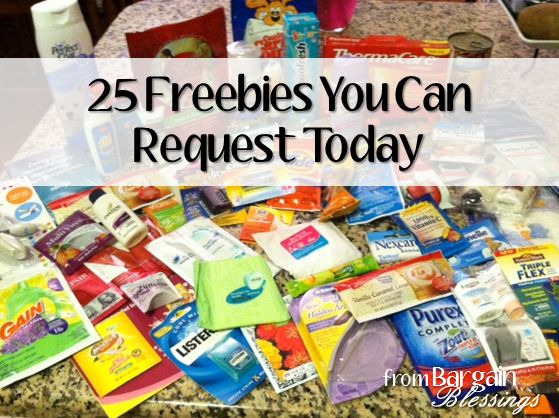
61,392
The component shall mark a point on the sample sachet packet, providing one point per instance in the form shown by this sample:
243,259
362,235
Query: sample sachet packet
307,249
237,293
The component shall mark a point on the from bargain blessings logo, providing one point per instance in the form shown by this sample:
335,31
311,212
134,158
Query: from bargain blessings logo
449,389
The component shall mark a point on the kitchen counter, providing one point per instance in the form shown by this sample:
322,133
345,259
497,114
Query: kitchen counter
61,392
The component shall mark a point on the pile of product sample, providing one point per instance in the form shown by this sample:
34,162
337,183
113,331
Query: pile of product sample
107,274
142,285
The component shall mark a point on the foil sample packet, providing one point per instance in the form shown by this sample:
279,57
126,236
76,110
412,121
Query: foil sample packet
401,286
222,363
41,323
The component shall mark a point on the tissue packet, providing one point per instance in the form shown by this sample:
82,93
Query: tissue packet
74,241
307,249
351,359
392,246
438,339
432,228
282,353
397,287
41,323
222,363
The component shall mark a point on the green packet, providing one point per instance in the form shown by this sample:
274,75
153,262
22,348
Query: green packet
237,293
345,271
41,323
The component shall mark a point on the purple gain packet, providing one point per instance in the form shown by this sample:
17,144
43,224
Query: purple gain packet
74,242
34,330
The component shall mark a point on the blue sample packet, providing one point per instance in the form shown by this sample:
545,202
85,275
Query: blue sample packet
436,335
424,214
191,202
270,12
221,362
376,202
484,238
392,246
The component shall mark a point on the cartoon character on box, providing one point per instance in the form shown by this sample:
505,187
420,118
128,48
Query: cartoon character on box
271,12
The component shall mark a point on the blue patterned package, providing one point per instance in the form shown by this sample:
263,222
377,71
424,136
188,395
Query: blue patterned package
222,363
268,12
445,351
484,238
376,202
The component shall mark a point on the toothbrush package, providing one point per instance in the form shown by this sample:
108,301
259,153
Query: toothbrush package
351,358
222,363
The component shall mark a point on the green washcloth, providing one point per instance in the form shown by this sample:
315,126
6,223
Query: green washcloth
237,293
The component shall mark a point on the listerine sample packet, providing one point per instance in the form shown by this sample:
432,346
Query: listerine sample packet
438,339
41,323
222,363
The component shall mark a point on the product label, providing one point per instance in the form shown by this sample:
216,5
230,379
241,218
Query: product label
304,242
526,264
399,287
196,344
392,246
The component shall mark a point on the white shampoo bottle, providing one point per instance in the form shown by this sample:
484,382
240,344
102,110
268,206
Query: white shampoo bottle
118,218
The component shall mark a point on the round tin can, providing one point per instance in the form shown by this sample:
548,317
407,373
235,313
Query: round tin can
470,45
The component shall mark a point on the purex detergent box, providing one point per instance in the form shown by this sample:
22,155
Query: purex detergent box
445,351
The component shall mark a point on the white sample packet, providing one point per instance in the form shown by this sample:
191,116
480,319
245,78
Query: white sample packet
308,248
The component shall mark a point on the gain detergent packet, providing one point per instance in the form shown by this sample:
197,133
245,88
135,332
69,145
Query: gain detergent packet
41,323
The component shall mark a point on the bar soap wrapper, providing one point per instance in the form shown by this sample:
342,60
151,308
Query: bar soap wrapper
351,359
309,248
402,286
237,293
222,363
41,323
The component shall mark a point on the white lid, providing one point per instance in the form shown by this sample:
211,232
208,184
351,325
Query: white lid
56,13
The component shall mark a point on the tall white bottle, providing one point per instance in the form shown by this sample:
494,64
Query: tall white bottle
60,31
118,218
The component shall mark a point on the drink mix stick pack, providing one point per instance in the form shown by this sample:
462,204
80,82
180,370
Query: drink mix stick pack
302,36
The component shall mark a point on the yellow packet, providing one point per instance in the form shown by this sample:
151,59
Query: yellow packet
231,218
121,355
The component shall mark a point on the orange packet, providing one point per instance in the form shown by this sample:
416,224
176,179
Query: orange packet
264,219
339,202
305,199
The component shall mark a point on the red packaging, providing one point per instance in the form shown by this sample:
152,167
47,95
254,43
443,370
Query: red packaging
305,199
201,37
383,47
99,299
